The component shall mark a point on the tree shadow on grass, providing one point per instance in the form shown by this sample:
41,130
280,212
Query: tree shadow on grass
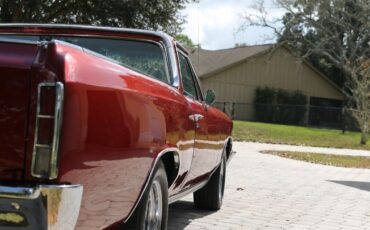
355,184
182,213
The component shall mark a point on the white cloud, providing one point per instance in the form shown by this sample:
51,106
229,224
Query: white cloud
214,23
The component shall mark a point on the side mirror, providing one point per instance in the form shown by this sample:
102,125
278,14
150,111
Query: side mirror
210,97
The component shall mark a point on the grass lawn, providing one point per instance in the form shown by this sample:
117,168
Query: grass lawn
326,159
296,135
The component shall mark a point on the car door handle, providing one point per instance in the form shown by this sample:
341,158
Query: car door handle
196,118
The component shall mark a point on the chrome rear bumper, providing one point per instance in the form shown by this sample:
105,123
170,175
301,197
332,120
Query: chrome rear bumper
42,207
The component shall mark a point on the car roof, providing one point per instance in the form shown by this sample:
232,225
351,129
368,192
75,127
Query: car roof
165,37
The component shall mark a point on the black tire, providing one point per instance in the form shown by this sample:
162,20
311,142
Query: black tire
210,197
158,182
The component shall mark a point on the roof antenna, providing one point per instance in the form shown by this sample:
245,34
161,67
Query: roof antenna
198,46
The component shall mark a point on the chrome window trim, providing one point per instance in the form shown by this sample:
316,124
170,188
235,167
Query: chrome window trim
58,119
197,82
167,50
194,77
159,34
18,41
173,59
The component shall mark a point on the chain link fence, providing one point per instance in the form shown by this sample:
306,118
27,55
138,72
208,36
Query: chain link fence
320,116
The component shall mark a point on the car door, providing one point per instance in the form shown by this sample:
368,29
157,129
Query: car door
203,159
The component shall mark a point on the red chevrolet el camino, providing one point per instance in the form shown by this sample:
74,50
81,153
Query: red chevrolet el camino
103,128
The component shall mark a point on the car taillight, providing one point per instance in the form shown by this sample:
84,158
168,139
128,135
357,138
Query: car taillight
48,124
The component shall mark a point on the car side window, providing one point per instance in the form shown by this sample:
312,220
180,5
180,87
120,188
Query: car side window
144,57
187,77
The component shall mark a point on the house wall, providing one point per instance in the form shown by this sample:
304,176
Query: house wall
280,70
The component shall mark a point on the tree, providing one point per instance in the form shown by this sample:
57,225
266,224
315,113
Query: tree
360,100
242,44
155,15
337,33
318,61
185,41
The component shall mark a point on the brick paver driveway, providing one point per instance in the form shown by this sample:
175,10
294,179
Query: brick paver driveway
269,192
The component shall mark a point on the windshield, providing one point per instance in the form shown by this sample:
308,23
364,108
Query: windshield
144,57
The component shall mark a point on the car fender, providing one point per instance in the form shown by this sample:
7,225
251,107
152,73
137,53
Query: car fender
170,150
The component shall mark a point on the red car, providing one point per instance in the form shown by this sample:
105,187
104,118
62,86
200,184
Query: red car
103,127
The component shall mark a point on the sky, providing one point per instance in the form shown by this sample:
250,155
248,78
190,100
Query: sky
215,23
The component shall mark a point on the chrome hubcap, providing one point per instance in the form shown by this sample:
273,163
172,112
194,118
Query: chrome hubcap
153,214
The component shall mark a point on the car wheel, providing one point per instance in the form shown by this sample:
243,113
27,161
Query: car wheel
152,211
210,197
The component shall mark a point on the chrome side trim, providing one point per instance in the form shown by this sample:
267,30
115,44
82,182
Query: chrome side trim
58,112
159,156
186,192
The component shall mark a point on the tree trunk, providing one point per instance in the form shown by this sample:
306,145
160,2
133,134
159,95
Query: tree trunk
364,134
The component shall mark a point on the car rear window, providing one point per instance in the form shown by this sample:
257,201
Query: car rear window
142,56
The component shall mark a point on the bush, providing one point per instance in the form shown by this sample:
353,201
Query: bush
280,106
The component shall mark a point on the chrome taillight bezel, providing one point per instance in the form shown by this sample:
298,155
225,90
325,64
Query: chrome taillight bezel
58,119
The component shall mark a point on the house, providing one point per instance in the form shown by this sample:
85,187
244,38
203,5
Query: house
235,73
